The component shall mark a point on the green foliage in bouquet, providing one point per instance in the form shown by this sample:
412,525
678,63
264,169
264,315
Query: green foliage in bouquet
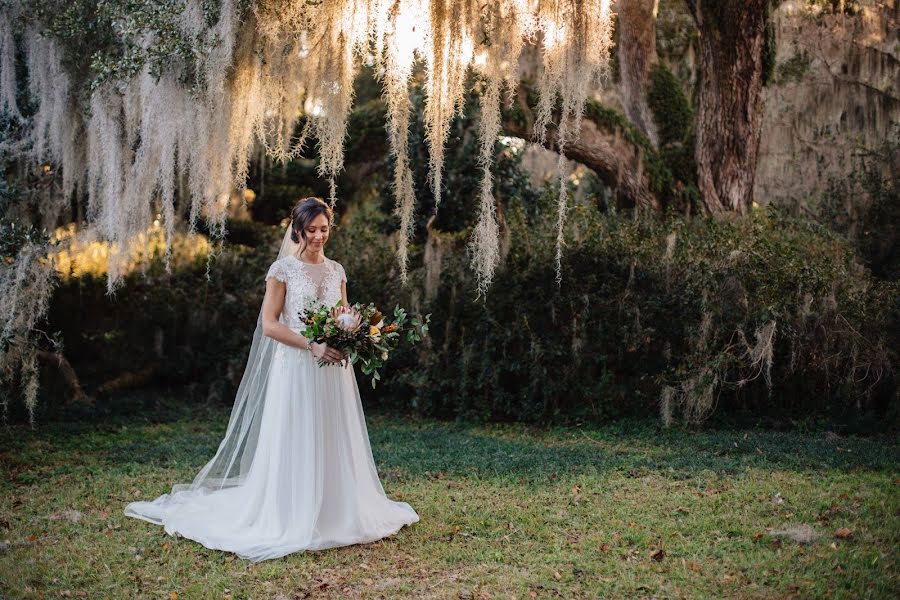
362,333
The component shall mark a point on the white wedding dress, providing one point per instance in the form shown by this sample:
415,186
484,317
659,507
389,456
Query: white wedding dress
298,473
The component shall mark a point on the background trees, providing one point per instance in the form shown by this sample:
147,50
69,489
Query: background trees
149,120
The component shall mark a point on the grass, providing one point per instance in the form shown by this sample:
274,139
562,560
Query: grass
624,510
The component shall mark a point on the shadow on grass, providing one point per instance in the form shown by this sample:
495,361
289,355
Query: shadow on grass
168,430
640,449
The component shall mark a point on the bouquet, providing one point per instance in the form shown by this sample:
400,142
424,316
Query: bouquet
361,332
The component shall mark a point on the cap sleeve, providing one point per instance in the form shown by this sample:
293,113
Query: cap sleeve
342,272
277,271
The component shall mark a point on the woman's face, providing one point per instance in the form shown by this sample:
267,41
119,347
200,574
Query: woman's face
316,233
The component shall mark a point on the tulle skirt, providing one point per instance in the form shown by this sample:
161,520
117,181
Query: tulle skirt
312,483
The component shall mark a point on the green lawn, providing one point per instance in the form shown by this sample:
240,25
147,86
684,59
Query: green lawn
507,511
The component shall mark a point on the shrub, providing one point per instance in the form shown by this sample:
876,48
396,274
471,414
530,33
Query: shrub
865,206
190,325
768,316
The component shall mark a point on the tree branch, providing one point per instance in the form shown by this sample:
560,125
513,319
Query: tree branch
608,144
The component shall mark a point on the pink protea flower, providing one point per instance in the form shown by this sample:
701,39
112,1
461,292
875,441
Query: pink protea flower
346,318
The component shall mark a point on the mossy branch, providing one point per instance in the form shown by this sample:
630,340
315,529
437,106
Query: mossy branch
609,144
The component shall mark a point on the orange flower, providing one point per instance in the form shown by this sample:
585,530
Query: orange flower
390,328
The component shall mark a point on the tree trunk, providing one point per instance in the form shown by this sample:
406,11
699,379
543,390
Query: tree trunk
637,53
729,102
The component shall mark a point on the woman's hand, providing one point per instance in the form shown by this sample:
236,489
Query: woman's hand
325,353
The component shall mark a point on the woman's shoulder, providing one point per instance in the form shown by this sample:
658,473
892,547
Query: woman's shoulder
337,267
279,268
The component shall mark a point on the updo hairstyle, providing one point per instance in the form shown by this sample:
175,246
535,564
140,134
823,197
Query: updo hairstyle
304,212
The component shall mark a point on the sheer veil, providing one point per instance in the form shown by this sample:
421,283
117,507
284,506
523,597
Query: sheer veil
232,460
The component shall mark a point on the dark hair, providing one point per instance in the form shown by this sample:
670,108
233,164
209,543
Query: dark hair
304,212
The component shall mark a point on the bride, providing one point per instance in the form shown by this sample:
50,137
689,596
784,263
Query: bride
295,469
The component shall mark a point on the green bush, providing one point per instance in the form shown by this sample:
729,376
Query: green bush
674,120
190,325
671,110
769,317
865,206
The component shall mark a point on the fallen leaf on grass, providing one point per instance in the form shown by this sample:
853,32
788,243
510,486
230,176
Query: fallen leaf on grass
557,575
658,555
843,533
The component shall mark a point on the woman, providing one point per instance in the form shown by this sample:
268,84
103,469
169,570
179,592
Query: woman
295,469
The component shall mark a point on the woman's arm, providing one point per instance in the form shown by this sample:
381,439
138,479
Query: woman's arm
344,292
273,303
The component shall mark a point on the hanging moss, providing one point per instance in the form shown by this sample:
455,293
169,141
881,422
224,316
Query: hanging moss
235,73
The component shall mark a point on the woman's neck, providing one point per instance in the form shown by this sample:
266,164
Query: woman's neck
313,257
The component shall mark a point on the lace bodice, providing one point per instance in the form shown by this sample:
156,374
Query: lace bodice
307,285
